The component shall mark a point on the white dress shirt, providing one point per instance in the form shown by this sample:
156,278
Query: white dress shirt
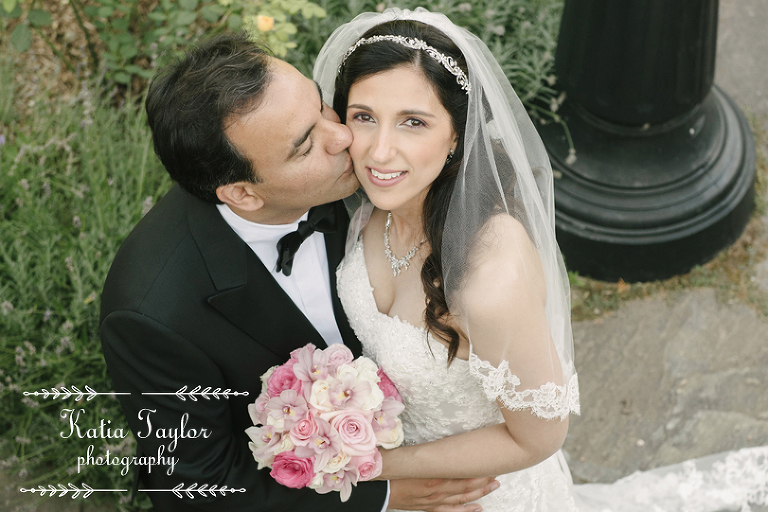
309,285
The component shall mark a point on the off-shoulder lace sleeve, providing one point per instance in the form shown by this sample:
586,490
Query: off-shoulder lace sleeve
549,401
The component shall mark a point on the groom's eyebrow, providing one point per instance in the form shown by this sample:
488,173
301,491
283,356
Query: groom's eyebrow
297,143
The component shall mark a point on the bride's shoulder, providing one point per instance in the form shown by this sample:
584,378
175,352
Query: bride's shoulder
504,263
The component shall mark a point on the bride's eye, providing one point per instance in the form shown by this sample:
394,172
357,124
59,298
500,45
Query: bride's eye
362,117
414,122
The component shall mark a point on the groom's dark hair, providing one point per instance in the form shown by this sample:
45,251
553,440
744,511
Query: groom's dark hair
189,104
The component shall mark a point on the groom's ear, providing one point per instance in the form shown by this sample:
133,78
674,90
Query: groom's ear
241,195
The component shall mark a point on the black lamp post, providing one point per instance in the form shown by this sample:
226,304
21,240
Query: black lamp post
663,176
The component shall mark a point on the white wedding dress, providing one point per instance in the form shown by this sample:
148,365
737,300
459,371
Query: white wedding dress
441,401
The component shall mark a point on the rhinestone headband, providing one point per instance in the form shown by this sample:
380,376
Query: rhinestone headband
417,44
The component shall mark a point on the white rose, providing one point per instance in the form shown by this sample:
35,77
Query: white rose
374,400
389,439
317,480
338,462
366,370
345,369
318,397
279,424
286,444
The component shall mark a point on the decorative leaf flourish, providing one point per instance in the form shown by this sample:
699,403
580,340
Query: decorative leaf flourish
73,391
63,490
199,490
206,393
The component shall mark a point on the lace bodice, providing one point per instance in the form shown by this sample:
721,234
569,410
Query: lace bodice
443,400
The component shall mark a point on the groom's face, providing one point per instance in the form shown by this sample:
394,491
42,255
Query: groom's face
297,146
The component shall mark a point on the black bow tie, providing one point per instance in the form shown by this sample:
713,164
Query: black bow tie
325,218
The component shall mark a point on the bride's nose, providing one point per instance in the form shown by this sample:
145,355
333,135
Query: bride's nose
382,148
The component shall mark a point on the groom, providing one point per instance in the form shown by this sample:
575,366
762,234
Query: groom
199,298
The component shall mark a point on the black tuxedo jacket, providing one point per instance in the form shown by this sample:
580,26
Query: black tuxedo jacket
187,303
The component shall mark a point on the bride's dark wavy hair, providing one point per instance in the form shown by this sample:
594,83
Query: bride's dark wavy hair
383,56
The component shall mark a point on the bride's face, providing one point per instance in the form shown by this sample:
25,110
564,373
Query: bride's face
402,136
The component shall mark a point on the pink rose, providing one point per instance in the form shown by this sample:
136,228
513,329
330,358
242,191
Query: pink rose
387,386
368,466
355,431
292,471
338,354
283,378
303,431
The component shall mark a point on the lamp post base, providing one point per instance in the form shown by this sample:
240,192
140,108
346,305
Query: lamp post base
648,203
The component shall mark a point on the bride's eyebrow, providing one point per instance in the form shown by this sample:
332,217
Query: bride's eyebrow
409,112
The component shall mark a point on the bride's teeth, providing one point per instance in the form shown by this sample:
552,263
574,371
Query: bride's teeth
387,176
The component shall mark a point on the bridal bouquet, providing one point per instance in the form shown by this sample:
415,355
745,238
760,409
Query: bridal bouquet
320,418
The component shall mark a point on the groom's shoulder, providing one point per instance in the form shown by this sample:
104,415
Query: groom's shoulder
161,244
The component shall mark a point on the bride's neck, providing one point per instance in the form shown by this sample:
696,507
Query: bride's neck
406,227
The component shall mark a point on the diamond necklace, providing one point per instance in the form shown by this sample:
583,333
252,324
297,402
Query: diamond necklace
398,265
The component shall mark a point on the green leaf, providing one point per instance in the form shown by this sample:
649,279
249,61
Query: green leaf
9,5
122,78
128,52
13,13
157,16
212,13
313,10
39,18
120,24
133,69
288,28
186,18
146,73
235,22
91,11
21,37
188,5
125,39
105,12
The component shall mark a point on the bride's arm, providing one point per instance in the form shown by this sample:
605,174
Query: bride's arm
503,315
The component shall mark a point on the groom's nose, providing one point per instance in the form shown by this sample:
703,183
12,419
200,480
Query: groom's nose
340,136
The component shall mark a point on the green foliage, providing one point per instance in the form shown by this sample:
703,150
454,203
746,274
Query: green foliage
133,38
270,21
70,192
522,35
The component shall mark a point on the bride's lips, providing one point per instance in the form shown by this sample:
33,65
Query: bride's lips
385,177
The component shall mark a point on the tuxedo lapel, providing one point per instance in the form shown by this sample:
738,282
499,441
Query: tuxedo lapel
334,246
248,296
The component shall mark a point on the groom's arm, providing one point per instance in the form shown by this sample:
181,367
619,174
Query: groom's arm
146,356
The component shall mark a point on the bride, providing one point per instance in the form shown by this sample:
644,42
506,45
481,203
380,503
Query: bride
453,280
